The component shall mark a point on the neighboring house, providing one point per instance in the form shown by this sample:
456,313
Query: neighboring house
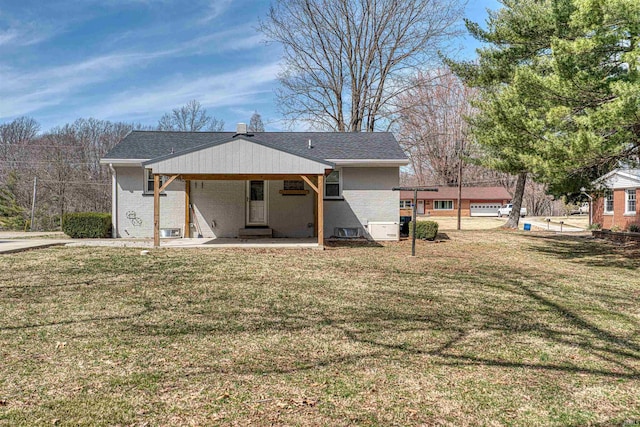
616,205
476,201
235,184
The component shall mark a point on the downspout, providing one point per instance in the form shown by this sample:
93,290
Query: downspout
114,202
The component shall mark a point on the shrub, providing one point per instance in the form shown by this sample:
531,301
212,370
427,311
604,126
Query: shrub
594,226
634,227
87,224
427,230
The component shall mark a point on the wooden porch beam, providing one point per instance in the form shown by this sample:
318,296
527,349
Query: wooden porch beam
240,177
308,181
320,222
187,209
156,210
169,181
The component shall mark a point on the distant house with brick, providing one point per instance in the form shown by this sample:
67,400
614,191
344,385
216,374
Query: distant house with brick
616,204
476,201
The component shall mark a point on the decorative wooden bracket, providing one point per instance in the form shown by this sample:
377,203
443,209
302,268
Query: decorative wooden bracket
308,181
166,184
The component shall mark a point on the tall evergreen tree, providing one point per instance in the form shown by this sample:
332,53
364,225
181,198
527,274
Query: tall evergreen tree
560,89
12,215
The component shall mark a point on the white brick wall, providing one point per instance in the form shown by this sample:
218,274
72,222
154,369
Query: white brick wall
220,205
135,210
368,197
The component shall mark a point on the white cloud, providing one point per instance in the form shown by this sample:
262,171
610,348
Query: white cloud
227,89
23,92
216,8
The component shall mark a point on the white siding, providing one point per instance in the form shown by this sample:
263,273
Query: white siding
238,157
617,181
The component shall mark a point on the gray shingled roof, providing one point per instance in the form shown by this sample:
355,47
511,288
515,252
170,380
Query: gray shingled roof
326,145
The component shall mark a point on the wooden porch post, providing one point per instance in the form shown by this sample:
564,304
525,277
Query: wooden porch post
156,210
320,211
187,209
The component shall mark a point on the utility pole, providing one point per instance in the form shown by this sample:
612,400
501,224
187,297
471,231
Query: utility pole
33,202
459,146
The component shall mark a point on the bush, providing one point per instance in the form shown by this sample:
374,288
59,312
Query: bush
427,230
87,224
595,226
634,227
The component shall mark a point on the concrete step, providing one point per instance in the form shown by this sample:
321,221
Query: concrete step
254,233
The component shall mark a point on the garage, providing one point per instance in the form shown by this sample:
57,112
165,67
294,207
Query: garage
484,209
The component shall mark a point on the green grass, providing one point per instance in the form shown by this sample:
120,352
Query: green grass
486,328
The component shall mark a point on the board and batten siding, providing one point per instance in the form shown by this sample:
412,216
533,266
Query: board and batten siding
367,196
238,157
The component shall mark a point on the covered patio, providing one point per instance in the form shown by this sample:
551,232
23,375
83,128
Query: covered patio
315,182
238,160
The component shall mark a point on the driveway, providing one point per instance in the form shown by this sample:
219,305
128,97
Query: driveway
17,241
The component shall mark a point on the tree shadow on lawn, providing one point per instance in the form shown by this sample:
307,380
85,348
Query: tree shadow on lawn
598,253
505,313
97,319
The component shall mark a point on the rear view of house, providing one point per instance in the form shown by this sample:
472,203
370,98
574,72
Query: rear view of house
280,184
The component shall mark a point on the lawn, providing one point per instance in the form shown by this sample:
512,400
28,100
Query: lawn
446,223
486,328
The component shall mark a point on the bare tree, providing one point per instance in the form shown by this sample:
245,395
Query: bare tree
13,136
346,61
432,128
191,117
255,123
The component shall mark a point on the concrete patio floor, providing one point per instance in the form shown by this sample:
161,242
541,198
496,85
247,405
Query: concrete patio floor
241,243
309,243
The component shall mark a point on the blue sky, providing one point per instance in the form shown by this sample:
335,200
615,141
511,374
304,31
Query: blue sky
133,60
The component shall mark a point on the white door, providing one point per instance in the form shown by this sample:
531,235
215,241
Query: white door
256,203
420,210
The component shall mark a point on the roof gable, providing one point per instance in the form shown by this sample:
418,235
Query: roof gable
236,156
620,178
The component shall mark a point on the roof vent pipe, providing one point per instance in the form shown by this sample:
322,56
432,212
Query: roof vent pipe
241,129
310,146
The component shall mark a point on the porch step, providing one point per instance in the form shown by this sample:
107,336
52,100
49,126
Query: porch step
254,233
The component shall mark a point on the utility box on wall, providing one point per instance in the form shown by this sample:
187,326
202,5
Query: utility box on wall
384,230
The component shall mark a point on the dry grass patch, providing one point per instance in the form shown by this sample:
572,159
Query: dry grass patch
466,223
493,327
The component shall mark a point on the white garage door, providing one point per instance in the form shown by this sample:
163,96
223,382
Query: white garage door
484,209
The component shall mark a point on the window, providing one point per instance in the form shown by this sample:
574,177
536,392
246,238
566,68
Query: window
293,185
608,201
443,205
405,204
148,181
631,201
332,185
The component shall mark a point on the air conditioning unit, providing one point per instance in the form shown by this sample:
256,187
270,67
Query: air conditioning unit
347,232
384,230
169,233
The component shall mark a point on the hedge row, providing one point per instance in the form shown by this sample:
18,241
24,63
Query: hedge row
87,224
427,230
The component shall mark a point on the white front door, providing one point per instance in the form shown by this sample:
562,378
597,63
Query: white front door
420,210
256,203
